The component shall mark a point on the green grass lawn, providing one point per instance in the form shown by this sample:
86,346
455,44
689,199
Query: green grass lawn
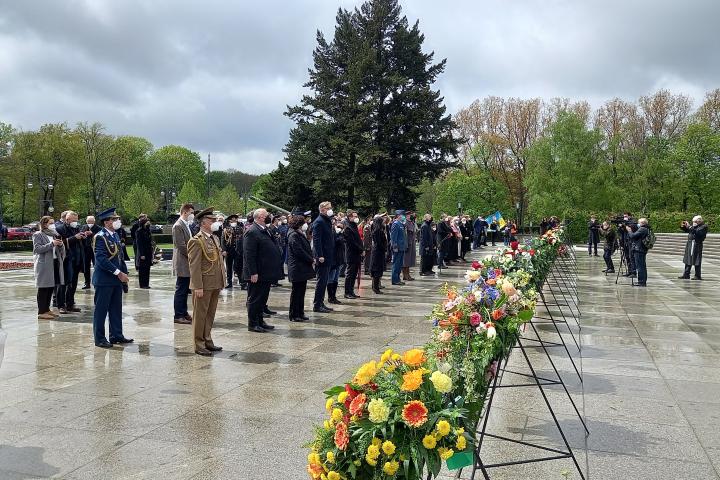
164,246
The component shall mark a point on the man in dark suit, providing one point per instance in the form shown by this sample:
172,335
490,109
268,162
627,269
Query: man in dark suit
262,266
324,251
73,239
353,252
109,279
89,255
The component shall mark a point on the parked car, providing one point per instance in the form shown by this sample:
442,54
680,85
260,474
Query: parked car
19,233
156,228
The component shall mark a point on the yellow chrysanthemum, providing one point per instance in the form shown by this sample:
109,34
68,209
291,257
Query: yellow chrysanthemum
378,411
370,460
443,427
429,442
459,431
441,382
333,475
391,468
337,414
414,357
445,453
366,373
327,425
329,403
373,451
330,456
342,396
386,356
395,357
376,441
388,447
412,380
461,443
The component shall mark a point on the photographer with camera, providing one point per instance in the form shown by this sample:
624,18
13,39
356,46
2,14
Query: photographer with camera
639,250
625,243
694,246
609,236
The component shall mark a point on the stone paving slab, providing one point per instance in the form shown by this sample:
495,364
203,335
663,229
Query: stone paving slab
650,357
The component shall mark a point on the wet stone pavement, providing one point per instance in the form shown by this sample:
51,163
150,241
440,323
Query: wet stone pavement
154,409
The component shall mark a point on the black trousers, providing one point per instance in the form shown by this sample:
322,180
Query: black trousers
229,264
144,274
89,260
297,299
366,262
607,256
322,270
44,295
258,294
182,287
426,263
592,244
351,274
697,271
630,257
65,294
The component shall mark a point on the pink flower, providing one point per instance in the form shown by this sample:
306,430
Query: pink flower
475,319
445,336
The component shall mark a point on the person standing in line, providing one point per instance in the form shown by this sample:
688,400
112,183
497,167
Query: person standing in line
228,242
466,241
442,239
410,258
73,239
697,232
492,231
88,255
262,266
426,246
323,243
207,277
398,242
377,254
48,256
181,235
238,265
593,235
110,279
144,252
607,232
639,249
300,263
353,252
366,228
334,275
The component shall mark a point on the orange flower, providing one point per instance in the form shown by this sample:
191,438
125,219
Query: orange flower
315,470
414,357
358,404
455,317
490,281
412,380
497,314
415,413
341,436
452,294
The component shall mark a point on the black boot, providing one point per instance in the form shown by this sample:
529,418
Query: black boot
332,294
376,285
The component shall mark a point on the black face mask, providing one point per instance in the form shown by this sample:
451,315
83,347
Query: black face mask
267,220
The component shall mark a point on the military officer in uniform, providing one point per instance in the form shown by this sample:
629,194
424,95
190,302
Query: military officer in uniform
231,231
110,278
207,278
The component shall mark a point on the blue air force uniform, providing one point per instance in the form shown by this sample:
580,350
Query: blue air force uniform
109,263
398,240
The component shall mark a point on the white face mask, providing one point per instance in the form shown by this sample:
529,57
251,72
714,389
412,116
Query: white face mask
90,224
51,227
304,227
190,218
117,224
73,224
233,224
215,226
284,221
338,229
356,220
330,213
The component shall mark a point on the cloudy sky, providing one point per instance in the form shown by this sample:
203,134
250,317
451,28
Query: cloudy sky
216,75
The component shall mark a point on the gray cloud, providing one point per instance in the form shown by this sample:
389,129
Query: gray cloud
216,75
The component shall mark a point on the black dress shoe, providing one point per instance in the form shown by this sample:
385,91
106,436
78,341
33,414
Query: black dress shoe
296,319
398,283
304,318
268,311
204,352
229,286
267,326
183,321
610,271
335,301
322,309
266,315
85,287
103,344
214,348
684,277
697,278
243,286
256,329
121,340
73,309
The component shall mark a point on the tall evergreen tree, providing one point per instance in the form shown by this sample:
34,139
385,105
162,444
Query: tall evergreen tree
373,127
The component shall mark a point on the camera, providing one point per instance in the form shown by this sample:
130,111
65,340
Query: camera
618,221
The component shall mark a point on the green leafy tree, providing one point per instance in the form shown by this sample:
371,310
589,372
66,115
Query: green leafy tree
226,200
138,200
171,166
189,194
477,191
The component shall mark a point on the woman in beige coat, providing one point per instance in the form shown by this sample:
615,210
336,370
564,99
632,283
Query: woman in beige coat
49,253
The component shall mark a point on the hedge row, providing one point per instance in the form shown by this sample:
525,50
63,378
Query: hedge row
27,245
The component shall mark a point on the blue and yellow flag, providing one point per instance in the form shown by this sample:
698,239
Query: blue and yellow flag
497,216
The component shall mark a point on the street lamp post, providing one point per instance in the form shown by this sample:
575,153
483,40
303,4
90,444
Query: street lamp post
45,204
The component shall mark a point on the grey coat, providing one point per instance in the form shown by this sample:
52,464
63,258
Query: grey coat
410,258
694,245
43,260
181,237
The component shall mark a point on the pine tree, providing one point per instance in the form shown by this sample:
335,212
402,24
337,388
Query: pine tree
373,128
